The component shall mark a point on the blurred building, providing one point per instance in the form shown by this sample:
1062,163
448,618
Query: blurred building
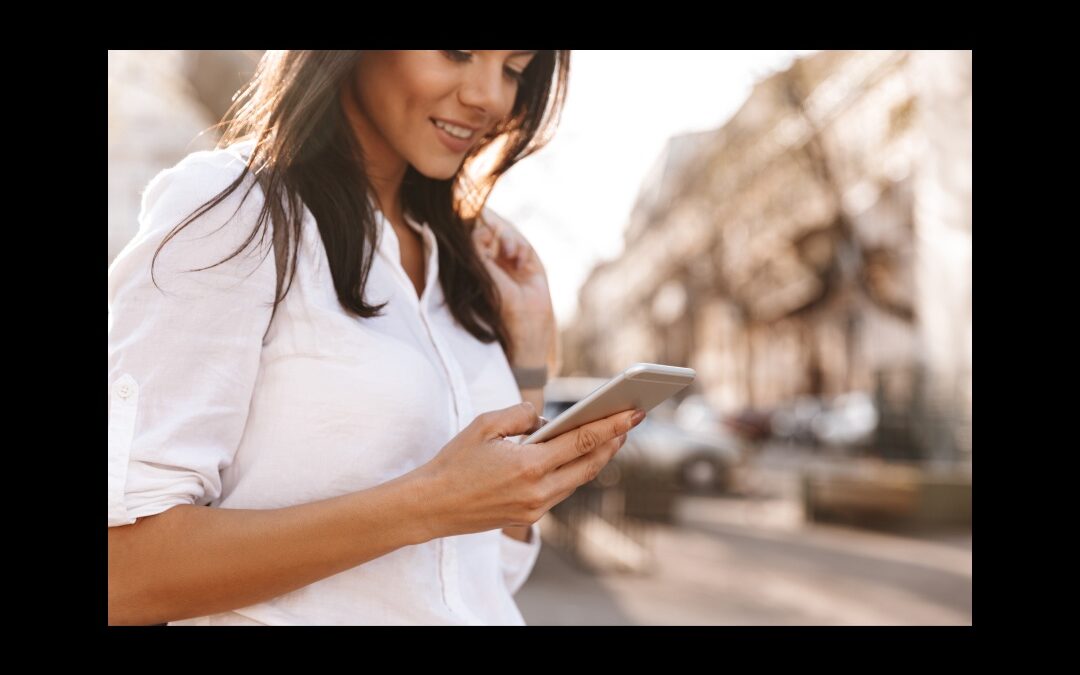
818,243
162,105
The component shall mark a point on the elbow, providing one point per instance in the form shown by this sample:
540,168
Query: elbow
127,601
123,612
119,613
120,610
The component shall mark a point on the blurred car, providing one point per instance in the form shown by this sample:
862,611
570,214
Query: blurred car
846,420
850,419
793,421
699,461
701,458
750,424
694,412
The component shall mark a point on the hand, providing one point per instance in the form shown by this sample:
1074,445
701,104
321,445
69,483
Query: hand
480,481
519,277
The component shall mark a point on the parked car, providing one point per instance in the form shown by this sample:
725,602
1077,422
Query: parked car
698,459
750,424
793,421
846,420
851,419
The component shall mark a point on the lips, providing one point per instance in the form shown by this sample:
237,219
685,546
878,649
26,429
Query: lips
453,143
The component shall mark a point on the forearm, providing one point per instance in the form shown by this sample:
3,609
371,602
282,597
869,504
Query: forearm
538,350
194,561
534,396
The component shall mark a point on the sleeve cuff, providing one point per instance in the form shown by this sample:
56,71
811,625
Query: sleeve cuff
518,557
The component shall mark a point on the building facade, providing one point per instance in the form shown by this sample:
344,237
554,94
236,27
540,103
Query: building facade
818,243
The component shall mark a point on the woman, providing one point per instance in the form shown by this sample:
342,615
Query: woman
349,428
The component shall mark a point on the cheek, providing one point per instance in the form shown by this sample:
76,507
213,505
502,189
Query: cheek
377,97
424,88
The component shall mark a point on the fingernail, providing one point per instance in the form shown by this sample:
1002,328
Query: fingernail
636,418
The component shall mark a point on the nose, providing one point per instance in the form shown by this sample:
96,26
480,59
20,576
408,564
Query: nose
486,89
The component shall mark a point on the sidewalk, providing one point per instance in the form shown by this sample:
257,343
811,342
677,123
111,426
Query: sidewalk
755,562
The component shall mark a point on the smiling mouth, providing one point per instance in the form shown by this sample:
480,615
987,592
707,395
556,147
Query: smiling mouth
472,132
452,142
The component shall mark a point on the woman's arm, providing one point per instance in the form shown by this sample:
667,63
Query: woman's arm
536,352
527,308
192,561
534,349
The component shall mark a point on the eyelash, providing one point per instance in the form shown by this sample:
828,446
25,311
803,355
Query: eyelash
458,55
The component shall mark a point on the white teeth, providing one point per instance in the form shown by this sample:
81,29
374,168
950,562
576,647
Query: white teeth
457,132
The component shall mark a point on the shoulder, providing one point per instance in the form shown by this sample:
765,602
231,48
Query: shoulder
193,180
176,194
177,191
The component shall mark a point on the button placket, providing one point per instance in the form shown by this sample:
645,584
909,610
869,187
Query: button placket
443,359
447,551
452,587
391,241
458,386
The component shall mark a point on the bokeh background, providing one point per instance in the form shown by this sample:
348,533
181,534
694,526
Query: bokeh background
794,225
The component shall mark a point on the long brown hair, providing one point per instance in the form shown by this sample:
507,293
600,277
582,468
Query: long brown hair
305,152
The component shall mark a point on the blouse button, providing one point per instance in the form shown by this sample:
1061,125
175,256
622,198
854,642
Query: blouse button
124,390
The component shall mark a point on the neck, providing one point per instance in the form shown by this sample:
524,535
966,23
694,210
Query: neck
384,168
387,194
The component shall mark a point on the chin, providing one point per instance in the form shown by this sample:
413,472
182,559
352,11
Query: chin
438,171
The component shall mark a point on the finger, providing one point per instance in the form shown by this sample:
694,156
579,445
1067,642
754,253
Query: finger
485,238
512,421
586,468
573,444
511,251
541,421
509,246
500,276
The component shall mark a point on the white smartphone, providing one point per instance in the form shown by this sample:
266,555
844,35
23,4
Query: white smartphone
642,385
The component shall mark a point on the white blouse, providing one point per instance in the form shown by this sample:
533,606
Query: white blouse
204,410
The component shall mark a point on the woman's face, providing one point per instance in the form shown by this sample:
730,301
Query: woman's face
396,96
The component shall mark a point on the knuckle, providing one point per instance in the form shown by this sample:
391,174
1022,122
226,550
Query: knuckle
536,500
586,441
484,419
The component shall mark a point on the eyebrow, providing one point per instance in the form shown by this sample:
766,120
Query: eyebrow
531,51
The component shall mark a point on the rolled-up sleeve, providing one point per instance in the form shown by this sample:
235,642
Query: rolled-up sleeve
184,353
518,558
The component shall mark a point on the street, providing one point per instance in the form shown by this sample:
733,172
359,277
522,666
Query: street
754,561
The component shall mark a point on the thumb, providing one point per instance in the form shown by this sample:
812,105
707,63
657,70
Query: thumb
513,421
